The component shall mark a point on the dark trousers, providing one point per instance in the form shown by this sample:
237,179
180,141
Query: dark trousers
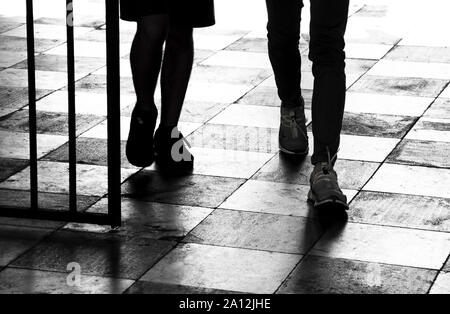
326,51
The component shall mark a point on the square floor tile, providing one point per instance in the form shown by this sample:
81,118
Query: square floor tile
388,245
19,44
46,31
215,92
98,255
422,153
399,86
419,54
256,116
411,69
379,125
48,122
214,41
268,96
48,201
366,51
53,177
421,212
273,198
223,268
149,220
446,92
317,275
8,167
14,241
229,75
249,44
257,231
386,104
146,287
97,84
440,109
10,58
359,32
352,174
17,145
15,98
442,284
239,59
200,111
44,79
25,281
428,129
228,163
404,179
369,10
86,48
234,137
191,190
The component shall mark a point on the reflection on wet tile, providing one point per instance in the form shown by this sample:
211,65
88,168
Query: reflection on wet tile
25,281
15,241
98,255
146,287
234,137
422,153
428,129
400,210
386,104
239,59
53,177
379,125
9,167
274,198
382,244
58,63
223,268
89,152
16,145
150,220
48,122
419,54
442,284
257,231
352,174
44,79
191,190
411,69
318,275
399,86
404,179
229,75
228,163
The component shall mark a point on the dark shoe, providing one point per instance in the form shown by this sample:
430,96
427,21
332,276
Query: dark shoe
139,150
171,150
293,137
325,191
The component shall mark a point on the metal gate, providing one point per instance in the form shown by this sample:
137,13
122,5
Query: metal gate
113,217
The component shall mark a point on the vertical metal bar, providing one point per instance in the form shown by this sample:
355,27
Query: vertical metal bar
72,113
113,95
32,107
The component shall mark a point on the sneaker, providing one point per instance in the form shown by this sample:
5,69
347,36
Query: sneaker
171,150
293,138
139,149
325,189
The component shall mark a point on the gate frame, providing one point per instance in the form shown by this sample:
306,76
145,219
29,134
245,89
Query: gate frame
113,217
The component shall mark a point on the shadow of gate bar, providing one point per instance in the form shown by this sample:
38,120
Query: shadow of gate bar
113,217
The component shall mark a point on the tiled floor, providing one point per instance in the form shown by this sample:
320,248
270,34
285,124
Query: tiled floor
240,222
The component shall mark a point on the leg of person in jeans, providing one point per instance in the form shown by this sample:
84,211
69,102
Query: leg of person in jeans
327,29
283,41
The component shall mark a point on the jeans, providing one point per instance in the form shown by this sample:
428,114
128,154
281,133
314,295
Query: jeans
326,51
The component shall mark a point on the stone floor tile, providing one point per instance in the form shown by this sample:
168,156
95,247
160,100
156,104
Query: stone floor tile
411,69
440,109
216,42
399,86
44,79
191,190
404,179
19,44
422,153
16,145
53,177
352,174
26,281
8,167
257,231
366,51
382,244
239,59
366,148
10,58
429,129
46,31
446,92
419,54
398,210
97,84
223,268
200,112
15,98
268,96
317,275
97,254
146,287
442,284
220,92
86,48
